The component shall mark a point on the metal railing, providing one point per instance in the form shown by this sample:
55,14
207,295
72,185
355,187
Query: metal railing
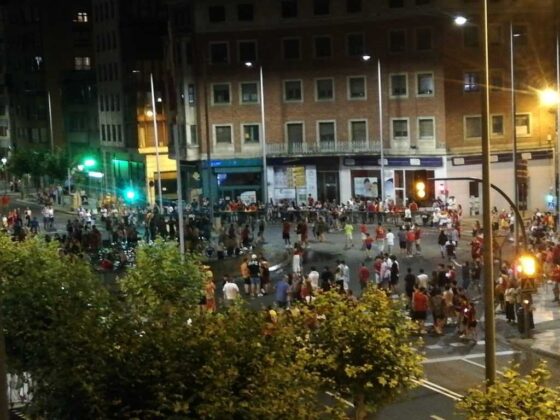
322,147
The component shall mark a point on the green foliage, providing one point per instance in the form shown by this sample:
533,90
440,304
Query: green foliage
514,397
161,278
365,348
56,165
148,351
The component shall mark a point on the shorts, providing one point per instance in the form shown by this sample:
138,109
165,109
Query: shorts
368,247
402,245
247,280
285,236
419,315
255,281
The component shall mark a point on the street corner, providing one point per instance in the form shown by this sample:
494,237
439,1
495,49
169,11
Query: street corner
545,343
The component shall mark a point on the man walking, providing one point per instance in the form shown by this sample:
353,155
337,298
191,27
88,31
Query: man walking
231,291
254,267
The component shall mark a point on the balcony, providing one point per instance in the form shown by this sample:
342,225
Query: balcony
322,148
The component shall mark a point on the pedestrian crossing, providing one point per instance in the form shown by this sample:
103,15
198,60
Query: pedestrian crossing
456,344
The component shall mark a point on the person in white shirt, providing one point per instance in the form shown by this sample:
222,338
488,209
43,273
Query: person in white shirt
313,278
390,239
345,275
230,290
422,279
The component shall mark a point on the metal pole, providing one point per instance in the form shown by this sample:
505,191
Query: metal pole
381,152
489,325
514,134
179,198
557,172
263,141
156,139
208,143
50,120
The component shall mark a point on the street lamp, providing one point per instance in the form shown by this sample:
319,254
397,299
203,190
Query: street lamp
367,58
156,139
250,65
4,162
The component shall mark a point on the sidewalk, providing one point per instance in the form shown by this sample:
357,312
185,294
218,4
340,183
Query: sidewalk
545,338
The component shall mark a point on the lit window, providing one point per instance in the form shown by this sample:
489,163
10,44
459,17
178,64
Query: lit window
251,133
425,84
81,17
82,63
523,124
471,81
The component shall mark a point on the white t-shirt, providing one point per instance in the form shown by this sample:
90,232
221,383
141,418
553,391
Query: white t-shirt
313,277
422,280
390,236
231,291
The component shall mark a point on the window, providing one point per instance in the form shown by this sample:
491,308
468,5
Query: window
291,48
523,124
473,127
399,128
82,63
497,125
471,81
321,7
470,36
353,6
397,41
322,46
326,130
355,44
247,51
398,85
220,94
81,17
324,89
103,132
294,135
426,130
219,52
358,131
424,84
289,8
393,4
249,93
293,91
357,87
495,34
194,134
251,133
222,134
423,39
245,12
216,14
3,131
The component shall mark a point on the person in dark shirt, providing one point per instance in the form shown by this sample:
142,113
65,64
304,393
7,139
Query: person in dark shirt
409,283
254,267
327,279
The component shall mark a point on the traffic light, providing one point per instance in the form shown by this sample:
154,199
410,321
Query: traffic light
420,185
527,271
89,162
130,195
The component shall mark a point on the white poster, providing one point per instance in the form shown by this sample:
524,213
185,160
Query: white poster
248,197
311,181
366,187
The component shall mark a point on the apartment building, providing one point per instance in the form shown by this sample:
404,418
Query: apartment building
325,117
49,76
129,40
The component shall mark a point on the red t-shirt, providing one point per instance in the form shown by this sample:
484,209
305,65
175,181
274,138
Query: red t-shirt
420,302
363,274
379,233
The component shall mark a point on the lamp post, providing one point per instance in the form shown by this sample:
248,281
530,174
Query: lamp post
488,258
5,170
489,324
367,58
156,140
263,131
512,35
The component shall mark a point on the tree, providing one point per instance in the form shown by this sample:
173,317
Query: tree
56,165
364,349
514,397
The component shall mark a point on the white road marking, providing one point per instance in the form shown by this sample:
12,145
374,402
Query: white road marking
499,372
470,356
439,389
434,347
433,416
458,344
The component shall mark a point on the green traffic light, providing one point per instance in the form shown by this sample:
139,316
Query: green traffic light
130,195
89,162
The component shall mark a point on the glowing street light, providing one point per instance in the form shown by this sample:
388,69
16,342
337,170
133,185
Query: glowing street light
548,97
460,20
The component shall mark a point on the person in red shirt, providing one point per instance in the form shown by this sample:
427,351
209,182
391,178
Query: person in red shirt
363,233
363,276
368,244
420,308
413,207
417,235
410,239
286,232
380,237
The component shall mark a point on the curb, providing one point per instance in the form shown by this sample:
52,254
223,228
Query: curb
528,344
